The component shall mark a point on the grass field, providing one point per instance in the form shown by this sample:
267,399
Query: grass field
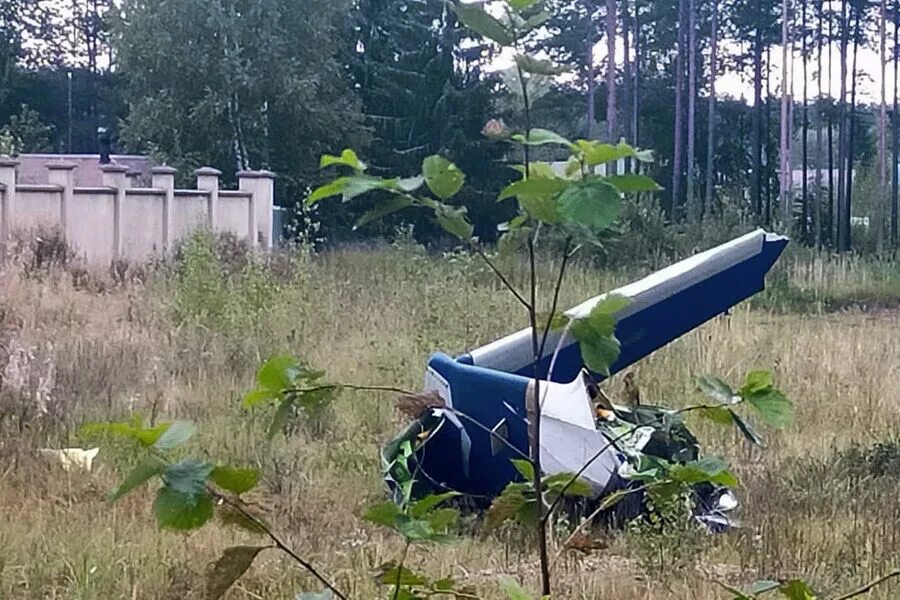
820,502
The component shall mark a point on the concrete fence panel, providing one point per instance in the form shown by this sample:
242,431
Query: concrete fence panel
117,220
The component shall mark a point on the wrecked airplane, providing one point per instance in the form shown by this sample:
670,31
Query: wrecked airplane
466,439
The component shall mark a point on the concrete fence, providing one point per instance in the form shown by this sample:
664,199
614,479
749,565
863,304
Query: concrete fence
118,221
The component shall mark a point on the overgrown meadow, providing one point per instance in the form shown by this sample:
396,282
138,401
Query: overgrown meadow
183,339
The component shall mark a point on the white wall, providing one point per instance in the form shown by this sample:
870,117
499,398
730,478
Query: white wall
90,213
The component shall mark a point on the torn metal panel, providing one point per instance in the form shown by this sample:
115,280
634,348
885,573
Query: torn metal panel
484,421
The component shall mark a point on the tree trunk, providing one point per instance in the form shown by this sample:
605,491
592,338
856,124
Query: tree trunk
679,92
895,133
767,133
848,195
882,129
842,126
804,129
756,126
591,91
626,66
784,175
692,204
829,233
611,130
820,98
636,89
711,110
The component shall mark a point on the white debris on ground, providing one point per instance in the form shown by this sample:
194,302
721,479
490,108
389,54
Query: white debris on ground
71,459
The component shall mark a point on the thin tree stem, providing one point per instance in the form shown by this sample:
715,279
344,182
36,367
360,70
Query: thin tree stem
400,571
869,586
503,279
559,279
535,428
279,543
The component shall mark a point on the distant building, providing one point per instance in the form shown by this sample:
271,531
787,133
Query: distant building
33,171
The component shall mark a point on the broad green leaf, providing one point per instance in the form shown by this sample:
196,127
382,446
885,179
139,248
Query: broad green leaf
595,334
542,209
135,430
444,585
709,469
553,322
442,177
350,187
453,220
558,481
279,373
281,417
797,590
537,196
536,186
538,66
536,168
188,476
347,158
507,505
174,510
176,434
429,502
773,407
540,137
335,187
520,5
596,153
385,513
592,203
716,414
400,576
259,395
513,590
628,183
150,435
441,519
757,381
716,389
599,354
524,467
148,468
417,530
536,20
233,563
744,427
234,479
384,208
483,24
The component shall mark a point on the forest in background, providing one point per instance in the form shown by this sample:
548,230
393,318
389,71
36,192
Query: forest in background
274,84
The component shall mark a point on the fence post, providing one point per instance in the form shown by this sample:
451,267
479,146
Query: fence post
8,183
114,177
63,175
164,178
208,179
261,185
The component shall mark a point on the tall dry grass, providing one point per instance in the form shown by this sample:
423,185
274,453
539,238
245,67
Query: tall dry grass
183,341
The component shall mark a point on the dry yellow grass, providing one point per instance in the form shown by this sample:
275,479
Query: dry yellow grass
374,316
